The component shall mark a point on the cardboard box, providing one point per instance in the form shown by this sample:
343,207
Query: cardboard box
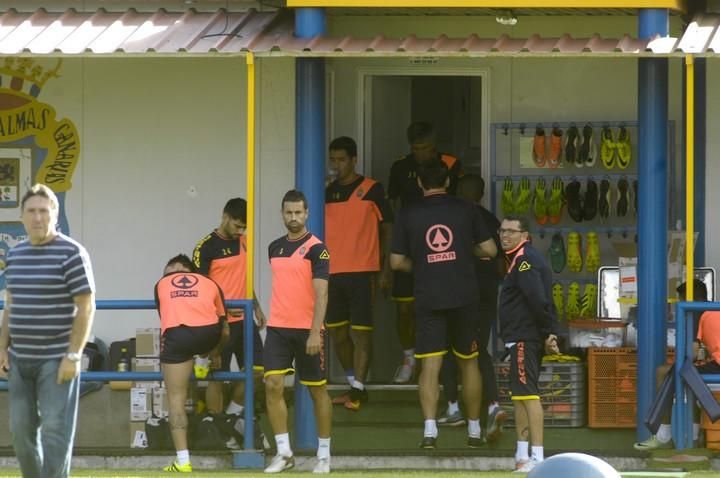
145,364
160,403
138,438
140,404
147,342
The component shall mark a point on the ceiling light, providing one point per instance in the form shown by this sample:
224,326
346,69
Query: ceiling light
507,18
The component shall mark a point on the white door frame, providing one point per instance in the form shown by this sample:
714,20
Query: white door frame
364,107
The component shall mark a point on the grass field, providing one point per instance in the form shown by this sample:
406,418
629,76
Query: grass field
349,474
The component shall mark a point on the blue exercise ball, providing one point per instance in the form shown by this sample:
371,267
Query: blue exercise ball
573,465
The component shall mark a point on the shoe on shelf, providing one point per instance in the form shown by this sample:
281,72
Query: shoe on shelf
405,372
280,463
572,307
624,148
623,202
592,252
558,295
522,203
555,203
527,466
507,201
175,467
572,195
557,253
572,138
496,420
590,204
451,419
608,148
604,199
539,147
428,443
652,443
555,155
586,154
540,202
322,465
588,302
356,397
574,257
476,442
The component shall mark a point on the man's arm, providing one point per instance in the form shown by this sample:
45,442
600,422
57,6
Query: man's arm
260,318
486,249
399,262
5,335
314,341
82,324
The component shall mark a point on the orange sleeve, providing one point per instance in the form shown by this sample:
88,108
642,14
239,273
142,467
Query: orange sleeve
700,327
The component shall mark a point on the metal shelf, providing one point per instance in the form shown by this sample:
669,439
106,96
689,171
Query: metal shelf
567,177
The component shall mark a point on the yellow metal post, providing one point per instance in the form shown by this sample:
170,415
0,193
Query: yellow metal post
250,269
689,177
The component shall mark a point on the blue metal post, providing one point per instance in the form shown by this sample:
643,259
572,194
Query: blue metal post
309,175
652,217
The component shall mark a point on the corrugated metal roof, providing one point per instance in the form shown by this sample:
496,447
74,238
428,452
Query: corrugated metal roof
271,34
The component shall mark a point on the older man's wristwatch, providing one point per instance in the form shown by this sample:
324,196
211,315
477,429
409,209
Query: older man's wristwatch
73,356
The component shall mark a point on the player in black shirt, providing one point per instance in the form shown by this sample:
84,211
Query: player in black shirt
403,189
436,238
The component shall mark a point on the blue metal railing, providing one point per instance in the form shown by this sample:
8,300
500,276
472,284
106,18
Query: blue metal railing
246,375
682,418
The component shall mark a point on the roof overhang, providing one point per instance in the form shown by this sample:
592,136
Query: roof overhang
270,34
670,4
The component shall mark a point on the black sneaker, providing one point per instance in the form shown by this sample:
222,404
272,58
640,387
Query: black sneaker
590,205
572,194
476,442
428,443
571,144
356,397
623,203
604,200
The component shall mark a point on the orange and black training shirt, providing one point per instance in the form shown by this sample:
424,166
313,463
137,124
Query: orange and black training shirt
187,298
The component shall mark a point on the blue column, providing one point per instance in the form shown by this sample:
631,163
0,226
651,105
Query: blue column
700,156
653,214
309,175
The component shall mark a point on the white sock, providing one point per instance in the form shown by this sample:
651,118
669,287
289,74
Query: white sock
521,454
431,429
453,407
234,408
474,428
283,444
358,385
538,453
183,457
409,355
492,407
323,450
350,376
696,431
664,433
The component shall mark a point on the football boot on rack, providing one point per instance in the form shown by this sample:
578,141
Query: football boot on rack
574,203
574,256
604,200
624,148
592,252
623,202
540,202
557,253
522,202
507,200
558,295
590,204
555,203
555,154
572,138
586,154
588,302
572,306
539,142
608,147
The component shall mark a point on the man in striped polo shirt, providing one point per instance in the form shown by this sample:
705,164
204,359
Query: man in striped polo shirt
49,309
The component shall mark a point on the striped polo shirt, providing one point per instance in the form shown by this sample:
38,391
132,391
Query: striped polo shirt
42,280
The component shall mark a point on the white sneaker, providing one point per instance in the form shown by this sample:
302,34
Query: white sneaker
323,465
527,466
405,371
232,444
280,463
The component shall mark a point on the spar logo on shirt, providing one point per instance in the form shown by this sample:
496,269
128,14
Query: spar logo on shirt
439,239
184,285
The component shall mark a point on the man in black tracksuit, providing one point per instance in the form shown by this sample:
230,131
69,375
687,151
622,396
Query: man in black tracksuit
527,322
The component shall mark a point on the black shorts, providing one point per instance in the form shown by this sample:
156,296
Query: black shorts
440,330
525,362
402,288
180,344
282,345
710,366
236,346
350,299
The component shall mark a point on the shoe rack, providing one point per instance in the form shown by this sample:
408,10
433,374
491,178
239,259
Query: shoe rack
517,163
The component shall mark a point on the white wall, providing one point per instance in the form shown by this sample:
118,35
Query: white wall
712,218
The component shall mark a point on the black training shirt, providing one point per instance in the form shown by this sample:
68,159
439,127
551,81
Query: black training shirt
439,232
403,178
